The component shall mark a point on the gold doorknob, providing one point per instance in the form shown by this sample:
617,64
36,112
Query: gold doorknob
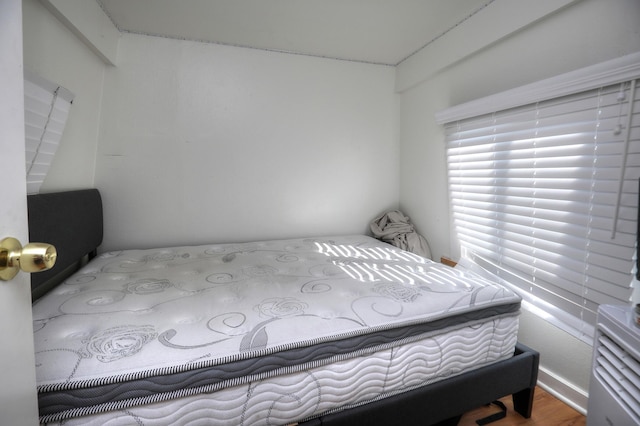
33,257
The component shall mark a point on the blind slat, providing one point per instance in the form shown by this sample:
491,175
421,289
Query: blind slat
46,107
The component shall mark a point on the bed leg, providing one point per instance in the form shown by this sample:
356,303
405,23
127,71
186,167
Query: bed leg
523,402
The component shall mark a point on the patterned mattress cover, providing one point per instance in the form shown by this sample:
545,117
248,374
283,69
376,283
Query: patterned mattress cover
142,326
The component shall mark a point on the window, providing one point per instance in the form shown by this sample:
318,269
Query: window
544,189
46,107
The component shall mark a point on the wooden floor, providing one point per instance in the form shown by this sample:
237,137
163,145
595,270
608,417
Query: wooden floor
547,411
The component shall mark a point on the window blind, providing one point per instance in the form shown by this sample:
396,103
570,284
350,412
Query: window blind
544,196
46,107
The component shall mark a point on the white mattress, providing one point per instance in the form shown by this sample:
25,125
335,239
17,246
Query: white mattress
161,318
287,398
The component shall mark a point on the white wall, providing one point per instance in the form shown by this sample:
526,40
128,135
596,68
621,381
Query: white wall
202,142
588,32
53,52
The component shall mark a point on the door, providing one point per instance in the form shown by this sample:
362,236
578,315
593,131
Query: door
18,404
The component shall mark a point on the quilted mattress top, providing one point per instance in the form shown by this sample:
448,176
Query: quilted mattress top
138,313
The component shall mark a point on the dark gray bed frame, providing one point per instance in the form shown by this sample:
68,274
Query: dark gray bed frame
72,222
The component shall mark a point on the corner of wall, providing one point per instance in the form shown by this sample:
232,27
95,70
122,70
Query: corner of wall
497,20
90,24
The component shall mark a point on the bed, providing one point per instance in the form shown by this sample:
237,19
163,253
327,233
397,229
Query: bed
327,330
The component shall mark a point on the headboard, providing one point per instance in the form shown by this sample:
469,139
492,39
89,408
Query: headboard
72,222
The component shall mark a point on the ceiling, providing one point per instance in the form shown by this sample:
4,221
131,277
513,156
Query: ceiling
372,31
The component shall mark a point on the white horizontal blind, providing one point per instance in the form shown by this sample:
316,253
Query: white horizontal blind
46,107
535,191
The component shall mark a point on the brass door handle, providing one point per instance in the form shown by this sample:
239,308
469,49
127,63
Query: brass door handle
33,257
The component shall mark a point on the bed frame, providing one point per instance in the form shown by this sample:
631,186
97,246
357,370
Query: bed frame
72,222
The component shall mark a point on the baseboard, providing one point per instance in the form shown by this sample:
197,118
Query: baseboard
574,397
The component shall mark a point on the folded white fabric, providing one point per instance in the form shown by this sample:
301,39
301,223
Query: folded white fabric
394,227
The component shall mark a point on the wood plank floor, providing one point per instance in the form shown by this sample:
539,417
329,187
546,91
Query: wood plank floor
547,411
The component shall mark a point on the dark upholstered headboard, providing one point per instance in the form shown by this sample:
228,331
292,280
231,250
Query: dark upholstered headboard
72,222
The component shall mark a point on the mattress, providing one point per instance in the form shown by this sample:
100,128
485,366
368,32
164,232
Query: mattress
259,333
